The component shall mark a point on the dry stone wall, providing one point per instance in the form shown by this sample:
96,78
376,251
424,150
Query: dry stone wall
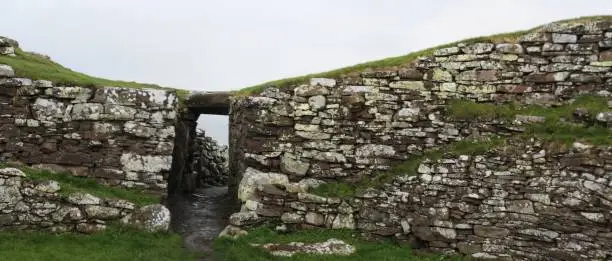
348,128
37,205
209,163
530,200
119,136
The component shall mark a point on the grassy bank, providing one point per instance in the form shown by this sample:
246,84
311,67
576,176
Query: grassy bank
394,62
116,244
226,249
35,67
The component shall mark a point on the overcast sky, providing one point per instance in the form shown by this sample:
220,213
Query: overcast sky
214,45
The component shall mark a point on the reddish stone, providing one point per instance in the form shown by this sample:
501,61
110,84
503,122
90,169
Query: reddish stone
486,75
605,56
515,88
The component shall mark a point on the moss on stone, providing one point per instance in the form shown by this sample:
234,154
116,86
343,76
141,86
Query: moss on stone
559,122
395,62
70,184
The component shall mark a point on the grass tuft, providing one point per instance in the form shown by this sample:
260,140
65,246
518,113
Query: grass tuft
395,62
226,249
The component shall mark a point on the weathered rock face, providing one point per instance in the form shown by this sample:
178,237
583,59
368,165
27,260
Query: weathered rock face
347,128
119,136
210,161
36,205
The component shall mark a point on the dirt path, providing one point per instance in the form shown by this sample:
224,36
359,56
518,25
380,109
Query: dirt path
200,217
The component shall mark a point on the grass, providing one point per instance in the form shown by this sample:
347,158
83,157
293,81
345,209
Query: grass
38,68
466,110
117,244
226,249
557,127
394,62
70,184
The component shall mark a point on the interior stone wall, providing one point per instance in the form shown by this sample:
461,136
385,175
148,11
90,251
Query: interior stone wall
119,136
348,128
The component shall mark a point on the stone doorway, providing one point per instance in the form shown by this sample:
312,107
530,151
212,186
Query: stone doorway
199,212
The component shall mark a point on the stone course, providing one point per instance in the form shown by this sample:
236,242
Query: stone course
37,205
487,206
119,136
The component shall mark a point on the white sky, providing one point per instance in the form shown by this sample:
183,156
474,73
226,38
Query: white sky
214,45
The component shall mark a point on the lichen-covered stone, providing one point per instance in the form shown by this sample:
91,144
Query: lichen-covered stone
151,218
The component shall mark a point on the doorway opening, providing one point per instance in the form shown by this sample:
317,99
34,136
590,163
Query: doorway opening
198,195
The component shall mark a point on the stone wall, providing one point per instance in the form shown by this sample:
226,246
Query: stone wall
529,200
209,162
348,128
37,205
119,136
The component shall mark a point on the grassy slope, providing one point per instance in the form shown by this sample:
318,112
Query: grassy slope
393,62
37,68
226,249
556,128
117,244
70,184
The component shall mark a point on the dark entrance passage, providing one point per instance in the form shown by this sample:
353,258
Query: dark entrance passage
198,213
181,180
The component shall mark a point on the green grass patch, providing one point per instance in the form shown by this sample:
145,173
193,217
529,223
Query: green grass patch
115,243
226,249
334,189
467,110
70,184
34,67
558,125
394,62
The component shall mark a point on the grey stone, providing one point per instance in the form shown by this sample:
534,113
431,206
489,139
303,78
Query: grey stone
80,198
317,102
12,172
446,51
315,218
151,218
48,186
509,48
10,195
478,48
292,166
564,38
6,71
100,212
